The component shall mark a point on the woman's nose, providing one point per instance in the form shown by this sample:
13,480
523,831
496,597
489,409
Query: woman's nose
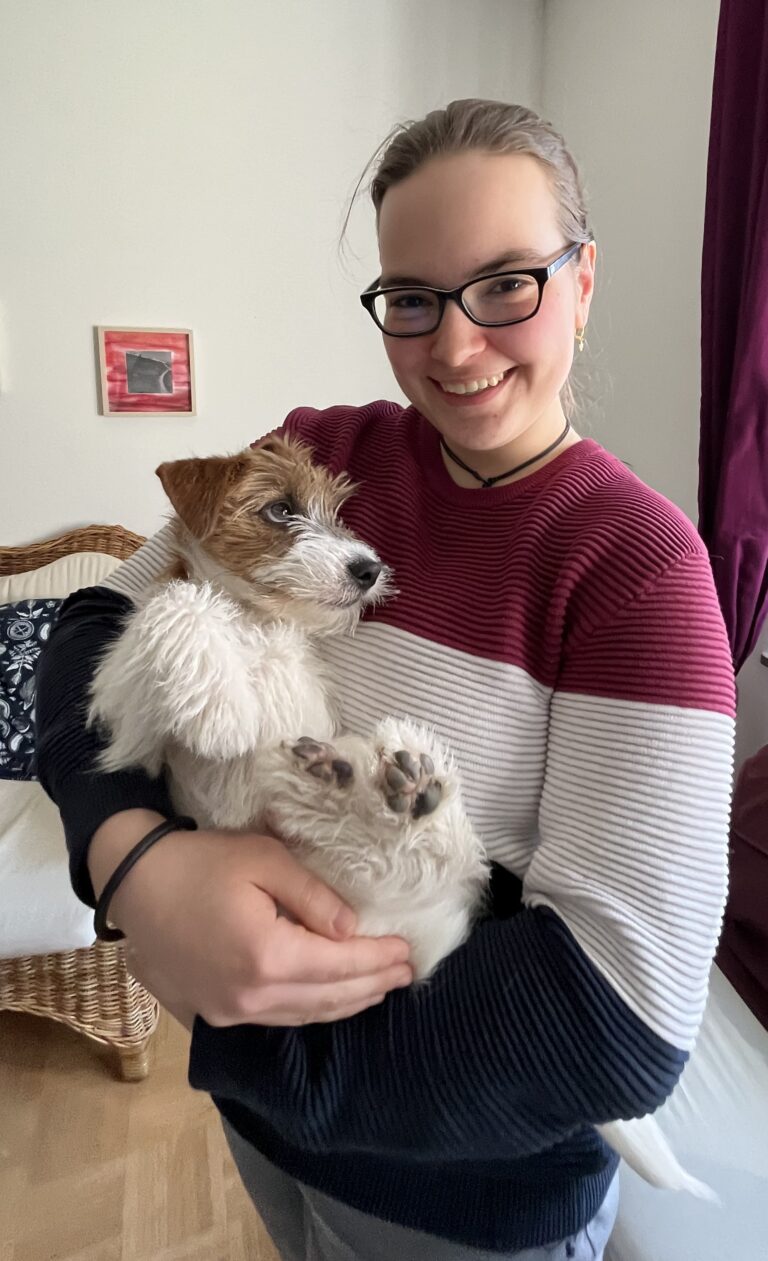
456,339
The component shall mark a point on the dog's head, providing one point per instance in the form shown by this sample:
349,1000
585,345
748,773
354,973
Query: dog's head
265,524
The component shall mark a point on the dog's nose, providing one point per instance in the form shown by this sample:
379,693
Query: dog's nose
365,570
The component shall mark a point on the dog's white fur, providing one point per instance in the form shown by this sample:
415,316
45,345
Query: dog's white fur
204,682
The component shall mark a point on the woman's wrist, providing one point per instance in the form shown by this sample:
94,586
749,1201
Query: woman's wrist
104,930
113,839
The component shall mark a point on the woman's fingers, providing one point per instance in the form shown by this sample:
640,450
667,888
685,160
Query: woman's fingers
304,895
288,1001
293,1003
293,953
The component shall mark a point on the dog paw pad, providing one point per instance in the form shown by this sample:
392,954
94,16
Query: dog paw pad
343,772
409,784
428,800
321,761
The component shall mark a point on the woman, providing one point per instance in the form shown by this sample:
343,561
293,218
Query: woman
557,623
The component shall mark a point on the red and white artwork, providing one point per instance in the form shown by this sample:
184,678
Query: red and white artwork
145,371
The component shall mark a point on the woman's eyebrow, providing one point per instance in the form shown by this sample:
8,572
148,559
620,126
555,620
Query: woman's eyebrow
511,258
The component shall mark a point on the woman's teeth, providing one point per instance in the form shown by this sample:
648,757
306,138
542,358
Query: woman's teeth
472,387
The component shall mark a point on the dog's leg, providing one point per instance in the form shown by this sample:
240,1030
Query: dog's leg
181,671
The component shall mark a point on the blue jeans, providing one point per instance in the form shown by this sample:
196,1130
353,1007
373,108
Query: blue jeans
309,1226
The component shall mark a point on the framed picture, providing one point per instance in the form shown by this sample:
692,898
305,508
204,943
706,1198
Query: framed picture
146,371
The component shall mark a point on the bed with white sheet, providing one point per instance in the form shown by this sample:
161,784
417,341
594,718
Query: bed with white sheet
717,1123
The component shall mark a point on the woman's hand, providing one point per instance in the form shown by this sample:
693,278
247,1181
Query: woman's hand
200,912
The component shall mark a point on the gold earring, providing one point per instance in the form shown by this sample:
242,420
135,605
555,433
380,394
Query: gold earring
580,337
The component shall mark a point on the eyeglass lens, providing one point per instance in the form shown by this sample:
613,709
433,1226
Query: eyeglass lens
494,300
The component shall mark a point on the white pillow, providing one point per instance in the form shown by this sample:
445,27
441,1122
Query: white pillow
39,913
58,578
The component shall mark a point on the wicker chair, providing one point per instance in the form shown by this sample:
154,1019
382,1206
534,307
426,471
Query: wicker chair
90,990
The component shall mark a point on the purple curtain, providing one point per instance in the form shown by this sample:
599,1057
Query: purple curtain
743,950
733,455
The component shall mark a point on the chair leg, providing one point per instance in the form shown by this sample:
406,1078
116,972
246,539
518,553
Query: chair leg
134,1060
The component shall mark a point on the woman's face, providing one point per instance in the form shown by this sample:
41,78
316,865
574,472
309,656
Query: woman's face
450,221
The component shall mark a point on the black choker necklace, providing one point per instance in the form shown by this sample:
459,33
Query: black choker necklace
491,481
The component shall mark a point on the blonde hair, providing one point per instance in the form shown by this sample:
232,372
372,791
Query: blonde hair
491,127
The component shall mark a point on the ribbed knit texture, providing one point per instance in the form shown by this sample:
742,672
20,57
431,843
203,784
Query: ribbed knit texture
562,633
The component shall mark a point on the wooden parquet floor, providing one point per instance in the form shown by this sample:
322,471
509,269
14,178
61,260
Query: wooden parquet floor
95,1169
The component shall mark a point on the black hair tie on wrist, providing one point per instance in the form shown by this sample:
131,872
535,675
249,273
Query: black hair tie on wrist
100,925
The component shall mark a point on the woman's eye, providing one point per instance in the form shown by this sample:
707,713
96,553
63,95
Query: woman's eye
511,285
407,302
279,512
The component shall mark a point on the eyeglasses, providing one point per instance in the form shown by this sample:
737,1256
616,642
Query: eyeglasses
506,297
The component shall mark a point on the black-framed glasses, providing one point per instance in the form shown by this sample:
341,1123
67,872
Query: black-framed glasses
505,297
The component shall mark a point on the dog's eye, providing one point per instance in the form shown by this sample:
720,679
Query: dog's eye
279,512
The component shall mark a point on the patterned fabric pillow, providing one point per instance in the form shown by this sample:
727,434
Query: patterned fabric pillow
24,628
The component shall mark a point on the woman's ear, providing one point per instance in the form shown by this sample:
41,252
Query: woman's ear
585,282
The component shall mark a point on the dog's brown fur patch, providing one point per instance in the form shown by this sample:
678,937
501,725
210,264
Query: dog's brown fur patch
220,499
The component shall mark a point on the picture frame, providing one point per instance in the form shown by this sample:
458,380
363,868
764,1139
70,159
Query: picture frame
145,371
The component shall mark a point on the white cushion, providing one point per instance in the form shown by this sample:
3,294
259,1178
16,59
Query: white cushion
39,913
58,578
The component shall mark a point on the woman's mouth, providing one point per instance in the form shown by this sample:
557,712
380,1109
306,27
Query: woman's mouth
470,392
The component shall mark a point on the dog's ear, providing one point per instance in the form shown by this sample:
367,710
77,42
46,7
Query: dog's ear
271,442
198,488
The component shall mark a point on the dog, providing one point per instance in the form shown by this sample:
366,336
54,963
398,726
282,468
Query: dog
217,678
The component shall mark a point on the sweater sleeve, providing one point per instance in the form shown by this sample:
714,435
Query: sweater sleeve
65,749
581,1007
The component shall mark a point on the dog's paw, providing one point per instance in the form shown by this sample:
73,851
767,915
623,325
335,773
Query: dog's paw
409,783
323,762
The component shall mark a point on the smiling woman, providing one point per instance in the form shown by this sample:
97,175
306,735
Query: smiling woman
555,623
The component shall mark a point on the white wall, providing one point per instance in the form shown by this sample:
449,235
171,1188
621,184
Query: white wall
186,163
631,86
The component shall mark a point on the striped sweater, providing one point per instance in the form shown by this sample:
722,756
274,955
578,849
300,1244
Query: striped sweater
562,633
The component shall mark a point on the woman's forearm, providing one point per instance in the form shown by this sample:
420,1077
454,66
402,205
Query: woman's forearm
67,749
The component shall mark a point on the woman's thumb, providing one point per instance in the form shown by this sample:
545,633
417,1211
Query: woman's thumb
305,896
